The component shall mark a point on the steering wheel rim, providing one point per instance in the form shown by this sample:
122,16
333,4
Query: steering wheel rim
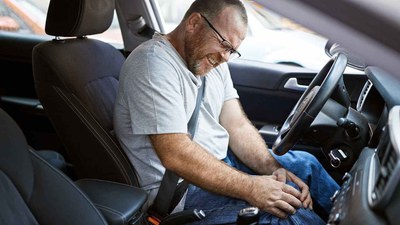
310,104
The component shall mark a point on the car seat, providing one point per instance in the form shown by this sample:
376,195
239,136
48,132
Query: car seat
34,192
76,79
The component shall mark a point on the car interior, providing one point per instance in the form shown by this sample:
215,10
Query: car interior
60,162
79,102
33,189
79,98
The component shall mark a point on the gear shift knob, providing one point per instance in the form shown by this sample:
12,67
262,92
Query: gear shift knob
248,216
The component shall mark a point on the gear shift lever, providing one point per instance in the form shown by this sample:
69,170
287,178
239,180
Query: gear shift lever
248,216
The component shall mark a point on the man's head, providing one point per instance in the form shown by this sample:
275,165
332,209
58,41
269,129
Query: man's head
212,30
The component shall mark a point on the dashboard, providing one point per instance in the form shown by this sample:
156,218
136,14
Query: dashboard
370,190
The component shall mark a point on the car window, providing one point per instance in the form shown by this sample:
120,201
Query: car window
271,38
29,16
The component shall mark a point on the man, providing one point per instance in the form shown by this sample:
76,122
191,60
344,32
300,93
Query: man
158,87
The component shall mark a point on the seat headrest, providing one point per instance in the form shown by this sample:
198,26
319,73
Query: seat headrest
70,18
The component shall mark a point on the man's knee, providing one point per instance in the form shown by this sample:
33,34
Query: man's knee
307,159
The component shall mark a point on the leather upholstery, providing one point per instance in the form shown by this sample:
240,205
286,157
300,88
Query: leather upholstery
32,191
79,18
76,80
120,204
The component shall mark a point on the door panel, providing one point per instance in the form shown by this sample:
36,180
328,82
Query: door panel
16,56
17,92
262,91
266,90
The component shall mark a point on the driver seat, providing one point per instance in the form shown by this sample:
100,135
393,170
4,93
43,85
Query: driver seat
76,80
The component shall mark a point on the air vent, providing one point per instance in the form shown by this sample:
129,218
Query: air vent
382,151
388,164
388,152
367,87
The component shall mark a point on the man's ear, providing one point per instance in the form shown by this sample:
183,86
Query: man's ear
193,22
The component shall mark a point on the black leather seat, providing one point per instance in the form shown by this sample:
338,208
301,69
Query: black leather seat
76,79
34,192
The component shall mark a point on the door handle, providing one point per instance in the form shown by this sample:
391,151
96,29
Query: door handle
292,84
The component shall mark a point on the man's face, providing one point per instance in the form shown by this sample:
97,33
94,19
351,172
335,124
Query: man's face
212,43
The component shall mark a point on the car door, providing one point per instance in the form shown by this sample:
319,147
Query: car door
17,93
22,26
18,36
268,92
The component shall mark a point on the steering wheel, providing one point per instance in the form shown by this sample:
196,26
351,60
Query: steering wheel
310,104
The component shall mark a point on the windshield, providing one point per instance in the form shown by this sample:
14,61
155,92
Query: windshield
267,18
174,10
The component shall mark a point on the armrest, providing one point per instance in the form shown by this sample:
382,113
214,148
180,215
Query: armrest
120,204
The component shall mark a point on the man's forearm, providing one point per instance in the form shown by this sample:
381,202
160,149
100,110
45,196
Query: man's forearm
244,139
193,163
248,145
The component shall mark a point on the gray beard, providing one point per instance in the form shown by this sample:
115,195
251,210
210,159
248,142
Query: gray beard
196,67
193,64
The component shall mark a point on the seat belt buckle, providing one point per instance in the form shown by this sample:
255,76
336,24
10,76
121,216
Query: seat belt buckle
153,220
153,217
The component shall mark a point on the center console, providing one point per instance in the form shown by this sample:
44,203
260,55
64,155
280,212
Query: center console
370,193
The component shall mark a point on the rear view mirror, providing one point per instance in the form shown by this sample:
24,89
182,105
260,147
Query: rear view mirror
333,48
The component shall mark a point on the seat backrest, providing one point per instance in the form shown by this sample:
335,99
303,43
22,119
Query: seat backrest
32,191
76,79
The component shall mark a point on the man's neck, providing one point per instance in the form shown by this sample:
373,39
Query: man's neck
177,40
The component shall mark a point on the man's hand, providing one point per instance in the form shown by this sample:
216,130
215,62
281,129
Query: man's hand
273,196
283,175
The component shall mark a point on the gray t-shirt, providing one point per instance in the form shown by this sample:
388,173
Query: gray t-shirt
157,95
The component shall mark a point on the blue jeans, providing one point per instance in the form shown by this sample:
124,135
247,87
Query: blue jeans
220,209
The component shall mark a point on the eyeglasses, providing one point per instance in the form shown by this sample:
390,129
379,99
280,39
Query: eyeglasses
234,54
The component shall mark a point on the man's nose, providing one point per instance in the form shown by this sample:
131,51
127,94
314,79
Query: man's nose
225,55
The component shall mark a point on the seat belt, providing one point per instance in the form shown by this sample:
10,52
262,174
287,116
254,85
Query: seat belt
170,192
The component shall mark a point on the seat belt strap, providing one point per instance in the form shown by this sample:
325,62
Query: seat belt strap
192,124
170,192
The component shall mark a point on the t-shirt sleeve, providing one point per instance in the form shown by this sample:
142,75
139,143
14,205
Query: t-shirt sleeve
230,91
153,96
